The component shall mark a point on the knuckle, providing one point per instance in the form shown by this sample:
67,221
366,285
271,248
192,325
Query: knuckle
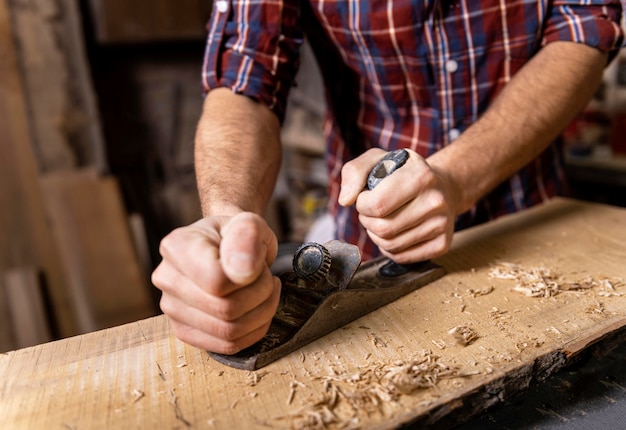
229,348
226,310
167,243
349,169
382,229
156,277
378,208
166,305
436,201
228,331
440,246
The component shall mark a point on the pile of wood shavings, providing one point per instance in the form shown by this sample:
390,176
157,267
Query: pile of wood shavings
543,282
346,397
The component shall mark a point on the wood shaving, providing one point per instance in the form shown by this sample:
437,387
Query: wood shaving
463,335
439,344
161,374
483,292
137,395
347,397
377,341
596,309
177,411
543,282
253,378
528,343
292,390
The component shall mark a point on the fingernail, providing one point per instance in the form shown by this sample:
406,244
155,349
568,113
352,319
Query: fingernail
241,263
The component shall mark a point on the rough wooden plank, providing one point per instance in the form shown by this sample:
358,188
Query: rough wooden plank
31,324
91,228
24,233
139,374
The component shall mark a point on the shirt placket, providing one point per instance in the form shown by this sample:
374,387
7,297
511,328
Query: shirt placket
446,67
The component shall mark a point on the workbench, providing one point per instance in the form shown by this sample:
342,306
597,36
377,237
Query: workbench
523,297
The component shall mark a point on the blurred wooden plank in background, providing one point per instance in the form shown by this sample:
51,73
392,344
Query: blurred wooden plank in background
25,236
91,229
123,21
27,307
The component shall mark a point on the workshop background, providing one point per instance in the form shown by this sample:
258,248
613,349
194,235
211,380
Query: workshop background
99,101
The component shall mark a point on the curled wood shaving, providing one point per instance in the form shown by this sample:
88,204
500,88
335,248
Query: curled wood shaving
595,309
463,335
543,282
253,378
483,292
348,396
137,395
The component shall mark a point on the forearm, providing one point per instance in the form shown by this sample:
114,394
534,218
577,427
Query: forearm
525,118
237,154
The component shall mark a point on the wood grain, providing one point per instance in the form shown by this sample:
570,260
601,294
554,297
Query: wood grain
138,375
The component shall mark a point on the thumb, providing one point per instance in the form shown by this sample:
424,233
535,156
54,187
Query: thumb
354,175
248,246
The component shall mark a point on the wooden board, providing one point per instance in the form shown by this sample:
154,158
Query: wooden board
93,235
138,375
26,306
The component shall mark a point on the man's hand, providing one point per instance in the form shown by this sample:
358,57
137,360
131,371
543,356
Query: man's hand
217,287
410,215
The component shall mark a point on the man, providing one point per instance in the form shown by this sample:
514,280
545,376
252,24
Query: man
476,90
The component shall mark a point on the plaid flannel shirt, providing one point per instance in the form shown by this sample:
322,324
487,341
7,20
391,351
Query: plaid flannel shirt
402,73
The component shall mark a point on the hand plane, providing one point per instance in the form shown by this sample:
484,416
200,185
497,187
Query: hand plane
329,287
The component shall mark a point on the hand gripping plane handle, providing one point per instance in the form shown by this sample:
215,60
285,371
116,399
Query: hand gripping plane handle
385,167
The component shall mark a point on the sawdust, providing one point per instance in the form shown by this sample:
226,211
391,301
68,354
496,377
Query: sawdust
544,282
346,397
596,308
529,342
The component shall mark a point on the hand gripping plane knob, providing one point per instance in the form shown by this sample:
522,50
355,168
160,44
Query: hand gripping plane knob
311,262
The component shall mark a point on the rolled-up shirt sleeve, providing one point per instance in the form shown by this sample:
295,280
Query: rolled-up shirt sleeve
253,49
593,22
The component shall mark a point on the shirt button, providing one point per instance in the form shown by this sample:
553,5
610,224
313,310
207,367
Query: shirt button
453,133
222,6
451,66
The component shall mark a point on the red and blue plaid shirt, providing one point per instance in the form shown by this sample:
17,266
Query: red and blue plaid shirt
402,73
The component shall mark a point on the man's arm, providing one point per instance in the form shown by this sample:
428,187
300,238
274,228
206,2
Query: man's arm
536,105
411,214
218,291
237,154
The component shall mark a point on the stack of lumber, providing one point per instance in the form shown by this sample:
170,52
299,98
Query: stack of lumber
68,263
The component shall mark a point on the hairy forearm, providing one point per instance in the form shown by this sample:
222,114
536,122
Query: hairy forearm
525,118
237,154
